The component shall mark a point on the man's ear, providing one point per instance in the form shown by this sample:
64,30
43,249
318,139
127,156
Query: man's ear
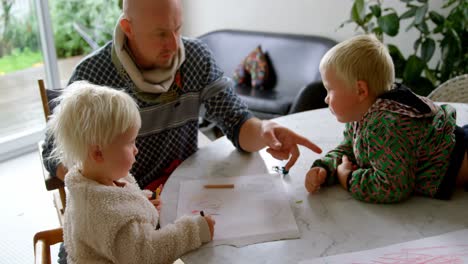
362,89
126,27
95,153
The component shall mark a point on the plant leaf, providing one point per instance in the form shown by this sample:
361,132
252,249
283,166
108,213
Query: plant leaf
423,28
413,68
410,13
390,24
398,60
420,14
430,74
427,49
416,44
449,3
438,29
378,32
368,18
357,11
376,10
437,18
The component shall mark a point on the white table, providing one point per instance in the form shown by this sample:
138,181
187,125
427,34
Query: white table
330,222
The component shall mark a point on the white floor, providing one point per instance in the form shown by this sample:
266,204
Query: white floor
26,208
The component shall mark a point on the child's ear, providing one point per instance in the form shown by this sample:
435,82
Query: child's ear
95,153
362,89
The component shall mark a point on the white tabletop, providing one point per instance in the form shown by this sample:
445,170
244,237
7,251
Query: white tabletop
331,221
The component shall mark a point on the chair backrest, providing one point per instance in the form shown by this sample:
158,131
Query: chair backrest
454,90
42,242
48,97
51,183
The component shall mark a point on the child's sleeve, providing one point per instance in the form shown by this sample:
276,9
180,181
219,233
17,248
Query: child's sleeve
141,243
391,176
333,158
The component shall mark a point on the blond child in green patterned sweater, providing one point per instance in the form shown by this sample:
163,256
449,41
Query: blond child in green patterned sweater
396,143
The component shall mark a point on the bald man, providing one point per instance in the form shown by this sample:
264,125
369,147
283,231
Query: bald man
170,77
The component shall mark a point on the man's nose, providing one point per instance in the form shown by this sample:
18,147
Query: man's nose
173,41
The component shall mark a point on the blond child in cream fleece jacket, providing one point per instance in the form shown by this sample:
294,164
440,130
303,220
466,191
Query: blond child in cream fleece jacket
108,218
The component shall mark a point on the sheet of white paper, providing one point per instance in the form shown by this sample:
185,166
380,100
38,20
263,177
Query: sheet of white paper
450,248
255,210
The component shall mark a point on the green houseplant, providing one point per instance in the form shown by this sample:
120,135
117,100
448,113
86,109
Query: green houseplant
445,34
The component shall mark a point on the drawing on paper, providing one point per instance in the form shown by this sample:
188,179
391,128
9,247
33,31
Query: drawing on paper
426,255
255,210
450,248
209,205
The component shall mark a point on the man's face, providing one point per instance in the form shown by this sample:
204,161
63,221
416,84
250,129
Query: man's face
155,33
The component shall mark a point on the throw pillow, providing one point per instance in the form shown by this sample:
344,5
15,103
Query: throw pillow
255,68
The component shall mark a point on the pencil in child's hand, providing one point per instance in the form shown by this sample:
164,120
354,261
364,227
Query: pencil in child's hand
158,191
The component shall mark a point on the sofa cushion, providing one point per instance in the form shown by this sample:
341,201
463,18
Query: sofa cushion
254,70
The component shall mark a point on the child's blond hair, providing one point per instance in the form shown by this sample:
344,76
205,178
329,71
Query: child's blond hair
87,115
361,58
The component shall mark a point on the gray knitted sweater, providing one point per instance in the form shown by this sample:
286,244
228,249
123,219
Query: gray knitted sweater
169,120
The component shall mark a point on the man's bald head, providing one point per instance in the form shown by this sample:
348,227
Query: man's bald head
133,9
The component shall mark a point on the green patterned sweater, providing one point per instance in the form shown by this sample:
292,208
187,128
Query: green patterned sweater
401,146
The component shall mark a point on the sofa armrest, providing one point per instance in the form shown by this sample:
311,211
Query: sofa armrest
310,97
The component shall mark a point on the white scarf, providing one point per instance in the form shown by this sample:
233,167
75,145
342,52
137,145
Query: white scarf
156,80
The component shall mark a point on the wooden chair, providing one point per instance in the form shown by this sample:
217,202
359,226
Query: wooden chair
454,90
51,183
42,242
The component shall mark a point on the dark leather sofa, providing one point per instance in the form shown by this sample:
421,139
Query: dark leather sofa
295,60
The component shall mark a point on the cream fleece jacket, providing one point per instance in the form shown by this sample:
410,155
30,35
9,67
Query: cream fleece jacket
109,224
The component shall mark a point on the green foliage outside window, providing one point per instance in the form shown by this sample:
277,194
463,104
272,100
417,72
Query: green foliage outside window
97,17
16,34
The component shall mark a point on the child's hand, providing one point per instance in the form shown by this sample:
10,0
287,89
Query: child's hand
315,177
211,222
154,198
344,169
157,204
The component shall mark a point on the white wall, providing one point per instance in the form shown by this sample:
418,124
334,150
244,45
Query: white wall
310,17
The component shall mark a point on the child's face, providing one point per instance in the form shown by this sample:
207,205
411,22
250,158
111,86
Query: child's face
342,99
119,155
